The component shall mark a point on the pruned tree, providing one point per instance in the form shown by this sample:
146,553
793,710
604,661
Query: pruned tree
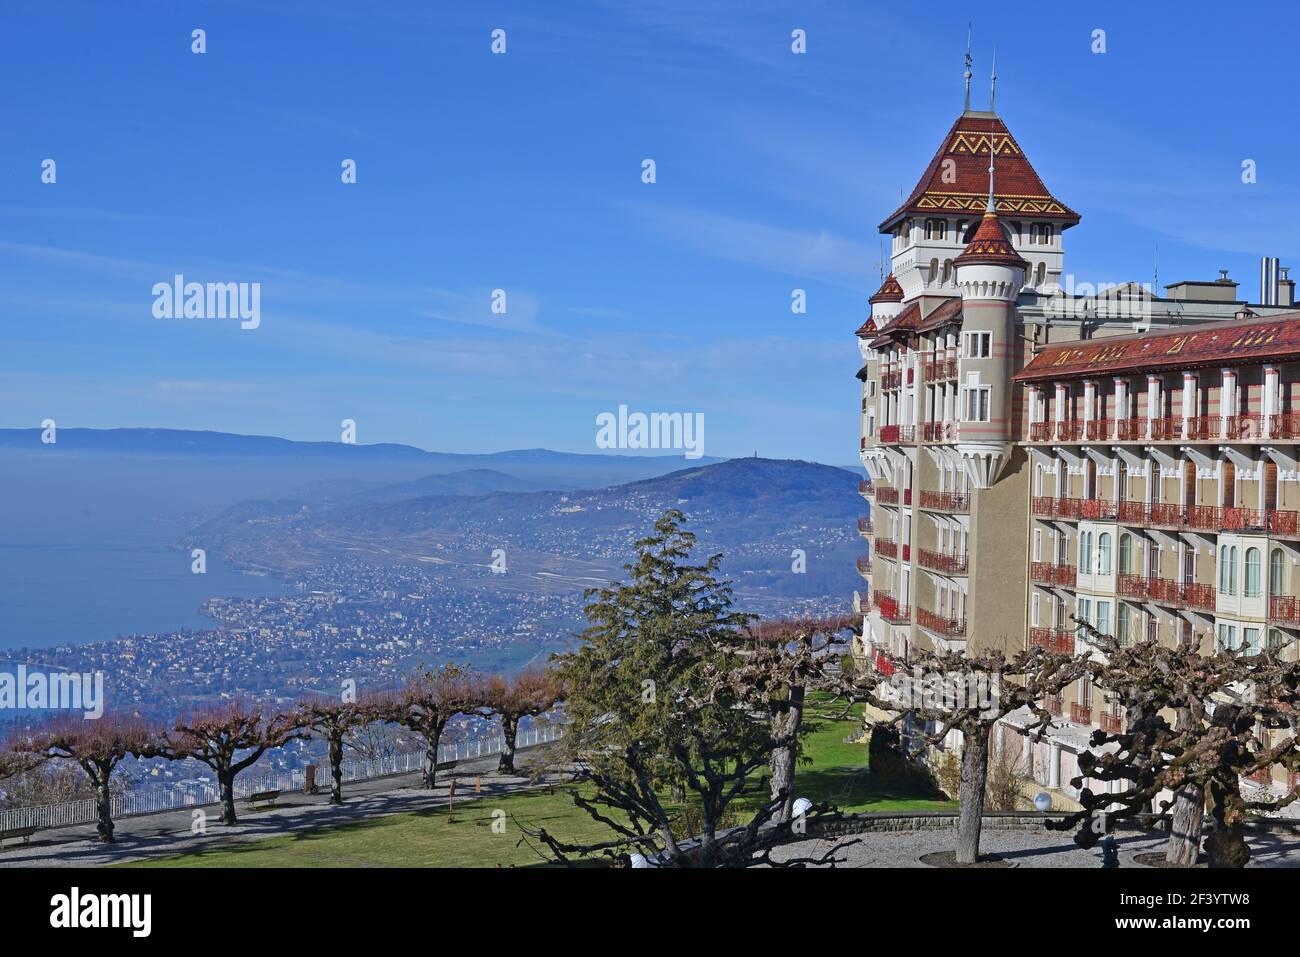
334,720
781,661
425,705
229,738
97,747
646,711
530,693
942,692
1234,716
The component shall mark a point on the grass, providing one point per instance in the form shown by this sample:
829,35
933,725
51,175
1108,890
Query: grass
836,773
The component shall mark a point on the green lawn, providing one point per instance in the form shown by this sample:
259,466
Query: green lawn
837,773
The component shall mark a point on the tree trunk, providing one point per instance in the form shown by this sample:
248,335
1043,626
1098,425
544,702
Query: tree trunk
429,773
105,806
226,781
974,777
1185,827
1226,845
785,730
509,730
336,769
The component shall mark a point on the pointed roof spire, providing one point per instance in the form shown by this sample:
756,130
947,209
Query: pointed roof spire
889,291
968,63
993,88
993,151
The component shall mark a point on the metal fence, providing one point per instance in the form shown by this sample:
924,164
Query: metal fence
153,800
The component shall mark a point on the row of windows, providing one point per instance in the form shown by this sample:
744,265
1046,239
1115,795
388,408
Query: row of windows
1040,234
1099,557
945,273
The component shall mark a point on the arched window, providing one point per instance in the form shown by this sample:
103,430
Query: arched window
1252,573
1126,554
1223,570
947,270
1103,553
1275,566
1041,273
1085,553
1232,570
934,269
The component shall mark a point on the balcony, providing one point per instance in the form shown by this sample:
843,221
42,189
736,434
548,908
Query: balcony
1131,430
1041,431
1052,704
883,665
1110,723
890,380
1046,573
1243,519
891,610
1044,506
865,527
1098,509
949,627
1284,610
939,431
1196,596
944,564
887,547
1069,431
897,434
1282,523
945,502
937,369
865,488
1284,426
1243,428
1167,429
886,495
1099,430
1134,586
1080,715
1133,513
864,566
1058,641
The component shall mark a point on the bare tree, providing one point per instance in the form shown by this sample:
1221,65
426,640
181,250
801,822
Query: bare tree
97,747
532,692
942,692
229,738
428,701
333,720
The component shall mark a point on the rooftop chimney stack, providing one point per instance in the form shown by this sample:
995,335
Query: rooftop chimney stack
1268,281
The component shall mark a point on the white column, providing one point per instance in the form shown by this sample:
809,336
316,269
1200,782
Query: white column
1032,399
1189,398
1227,397
1054,767
1272,393
1121,402
1089,400
1027,754
1153,401
1060,407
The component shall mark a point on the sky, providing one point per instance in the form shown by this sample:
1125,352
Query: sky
522,172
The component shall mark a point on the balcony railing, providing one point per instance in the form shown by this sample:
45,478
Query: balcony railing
1099,430
883,665
886,495
897,434
891,380
1041,431
1134,513
1284,426
886,547
891,610
1211,518
1098,509
944,564
1059,641
1080,715
1132,586
1131,430
864,487
865,527
1047,573
1110,723
1284,610
945,502
939,431
951,627
1052,703
937,369
864,566
1069,431
1044,506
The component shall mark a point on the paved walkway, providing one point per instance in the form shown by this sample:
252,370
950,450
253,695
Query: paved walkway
1022,848
168,833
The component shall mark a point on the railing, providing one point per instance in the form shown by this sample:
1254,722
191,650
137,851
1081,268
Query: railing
1099,430
1131,430
1247,427
864,487
1203,517
889,433
1134,513
865,526
1239,519
864,565
1165,513
1041,431
887,495
1196,596
1132,586
1052,704
1080,715
1044,506
1110,723
1069,431
945,502
1284,610
1284,426
886,547
951,627
1169,428
883,665
154,800
1059,641
891,380
945,431
1098,508
1047,573
891,610
944,564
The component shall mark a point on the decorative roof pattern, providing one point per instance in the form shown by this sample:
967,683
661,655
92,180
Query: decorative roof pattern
957,178
868,328
889,291
900,327
990,245
1239,342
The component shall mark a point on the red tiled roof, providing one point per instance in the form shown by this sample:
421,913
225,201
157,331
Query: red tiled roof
1238,342
889,291
868,328
990,245
961,186
949,311
900,326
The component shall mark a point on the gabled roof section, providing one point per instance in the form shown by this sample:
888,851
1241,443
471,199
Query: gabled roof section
990,245
961,186
949,311
900,327
1239,342
867,329
889,291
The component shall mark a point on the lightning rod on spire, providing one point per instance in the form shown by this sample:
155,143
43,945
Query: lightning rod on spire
993,89
968,63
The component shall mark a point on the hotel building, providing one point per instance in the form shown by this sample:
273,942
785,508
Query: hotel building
1038,450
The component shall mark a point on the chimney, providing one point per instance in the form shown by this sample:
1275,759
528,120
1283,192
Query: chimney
1285,288
1268,281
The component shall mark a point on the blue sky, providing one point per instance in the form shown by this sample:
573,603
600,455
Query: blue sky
522,172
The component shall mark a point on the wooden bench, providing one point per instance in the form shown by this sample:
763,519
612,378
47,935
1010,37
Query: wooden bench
267,797
24,832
